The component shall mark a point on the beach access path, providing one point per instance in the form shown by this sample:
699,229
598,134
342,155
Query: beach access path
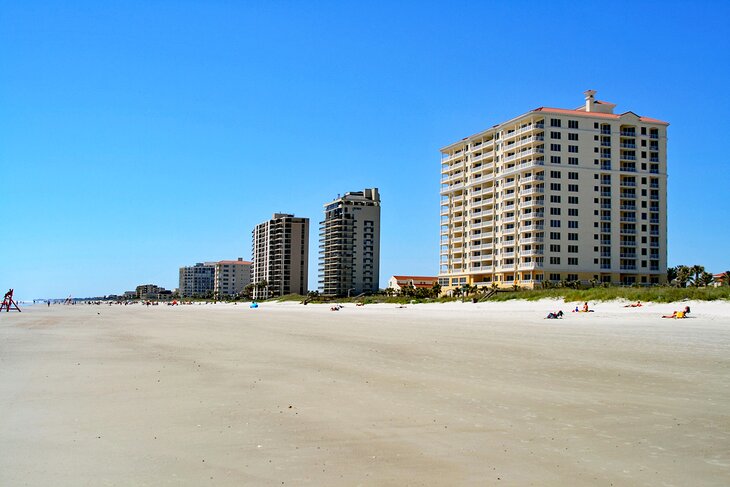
433,394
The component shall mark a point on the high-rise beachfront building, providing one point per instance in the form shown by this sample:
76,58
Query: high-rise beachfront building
349,243
556,195
231,277
197,280
281,256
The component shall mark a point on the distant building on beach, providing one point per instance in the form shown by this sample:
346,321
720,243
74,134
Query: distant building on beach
280,253
398,282
556,195
231,277
197,280
349,255
150,291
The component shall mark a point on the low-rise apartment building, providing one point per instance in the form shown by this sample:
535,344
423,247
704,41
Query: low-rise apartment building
231,277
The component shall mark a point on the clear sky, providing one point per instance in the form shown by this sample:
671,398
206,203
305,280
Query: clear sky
136,137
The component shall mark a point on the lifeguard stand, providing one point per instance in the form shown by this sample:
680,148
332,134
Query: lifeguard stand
9,303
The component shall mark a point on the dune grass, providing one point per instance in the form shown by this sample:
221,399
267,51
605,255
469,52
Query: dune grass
657,294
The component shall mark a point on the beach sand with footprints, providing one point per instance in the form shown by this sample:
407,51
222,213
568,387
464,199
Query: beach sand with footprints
433,394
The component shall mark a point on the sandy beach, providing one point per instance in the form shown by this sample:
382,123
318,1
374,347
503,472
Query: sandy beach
434,394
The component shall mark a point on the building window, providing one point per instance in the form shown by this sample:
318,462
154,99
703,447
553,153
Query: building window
572,136
555,260
554,277
555,186
573,224
573,188
554,248
572,236
555,159
573,161
572,249
573,261
572,148
573,124
572,175
554,211
554,198
573,200
555,122
554,235
554,135
572,211
555,223
555,174
555,147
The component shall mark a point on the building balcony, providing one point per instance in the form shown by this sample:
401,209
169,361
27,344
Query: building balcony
533,204
628,219
531,179
523,166
533,190
628,267
526,266
531,240
532,252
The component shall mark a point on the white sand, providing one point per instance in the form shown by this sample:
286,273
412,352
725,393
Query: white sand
457,394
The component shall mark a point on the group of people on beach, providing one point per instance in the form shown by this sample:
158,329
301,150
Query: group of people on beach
676,314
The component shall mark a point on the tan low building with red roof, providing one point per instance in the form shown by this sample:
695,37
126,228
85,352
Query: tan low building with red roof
397,282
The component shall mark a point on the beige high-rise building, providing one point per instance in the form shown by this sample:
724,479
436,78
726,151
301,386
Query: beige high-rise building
231,277
556,195
281,256
349,243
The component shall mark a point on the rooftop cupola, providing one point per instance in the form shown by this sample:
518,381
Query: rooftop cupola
590,99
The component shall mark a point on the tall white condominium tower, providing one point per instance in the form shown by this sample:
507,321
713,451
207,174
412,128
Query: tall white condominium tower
349,244
556,195
280,256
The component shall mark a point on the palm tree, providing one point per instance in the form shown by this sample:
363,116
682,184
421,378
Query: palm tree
671,274
696,271
683,275
706,279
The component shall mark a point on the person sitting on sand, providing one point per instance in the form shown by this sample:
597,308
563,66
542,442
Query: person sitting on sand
585,307
634,305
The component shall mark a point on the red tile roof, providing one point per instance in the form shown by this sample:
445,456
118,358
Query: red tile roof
583,113
416,278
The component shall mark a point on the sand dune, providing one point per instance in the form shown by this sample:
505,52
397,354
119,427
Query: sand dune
452,394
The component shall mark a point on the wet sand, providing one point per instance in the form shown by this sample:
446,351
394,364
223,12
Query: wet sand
487,394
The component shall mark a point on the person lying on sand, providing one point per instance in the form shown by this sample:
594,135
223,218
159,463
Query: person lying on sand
678,314
555,316
634,305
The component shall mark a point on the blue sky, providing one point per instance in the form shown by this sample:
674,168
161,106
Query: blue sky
136,137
